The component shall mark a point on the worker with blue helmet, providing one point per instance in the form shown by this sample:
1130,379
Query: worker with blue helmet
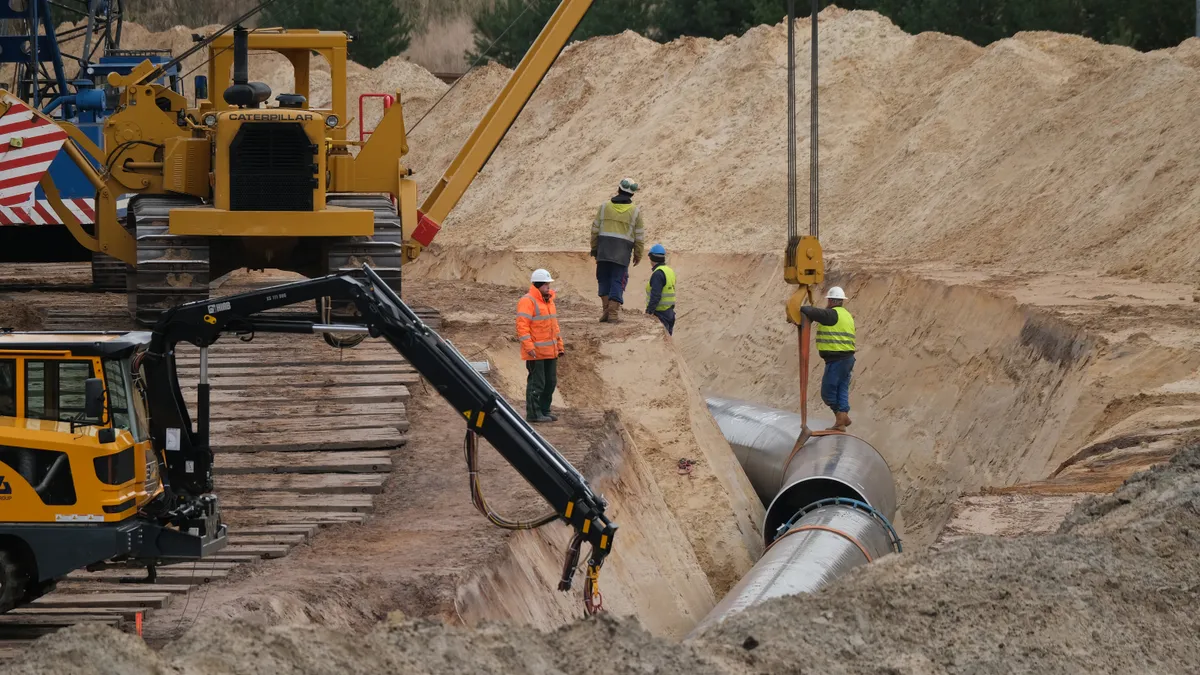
660,289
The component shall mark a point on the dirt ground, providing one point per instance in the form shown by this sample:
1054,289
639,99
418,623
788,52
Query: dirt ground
1112,592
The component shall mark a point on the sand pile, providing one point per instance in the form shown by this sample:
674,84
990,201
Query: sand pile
1114,591
1041,150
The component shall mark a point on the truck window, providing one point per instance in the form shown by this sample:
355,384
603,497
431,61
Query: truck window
118,394
54,389
8,387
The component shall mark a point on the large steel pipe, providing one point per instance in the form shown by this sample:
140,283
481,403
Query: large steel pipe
829,503
821,546
837,465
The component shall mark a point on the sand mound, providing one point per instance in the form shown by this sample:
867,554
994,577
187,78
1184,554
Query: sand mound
1114,592
1040,150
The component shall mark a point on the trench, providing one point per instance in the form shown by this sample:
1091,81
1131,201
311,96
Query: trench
961,389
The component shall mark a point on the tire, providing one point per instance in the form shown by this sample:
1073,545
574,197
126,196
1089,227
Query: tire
13,579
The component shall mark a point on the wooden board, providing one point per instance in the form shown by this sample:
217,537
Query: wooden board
298,378
72,588
276,516
200,575
309,409
328,440
10,621
278,424
146,600
259,550
374,461
305,530
264,398
127,613
336,483
239,539
294,501
268,366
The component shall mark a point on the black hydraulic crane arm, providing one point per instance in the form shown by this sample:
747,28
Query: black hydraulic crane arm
187,452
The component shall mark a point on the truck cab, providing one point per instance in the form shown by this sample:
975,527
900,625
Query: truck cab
80,478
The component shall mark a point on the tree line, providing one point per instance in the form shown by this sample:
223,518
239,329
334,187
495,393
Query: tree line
505,29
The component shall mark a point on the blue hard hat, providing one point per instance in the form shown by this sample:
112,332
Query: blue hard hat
658,249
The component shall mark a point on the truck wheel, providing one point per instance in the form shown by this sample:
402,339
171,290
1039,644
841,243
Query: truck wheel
12,581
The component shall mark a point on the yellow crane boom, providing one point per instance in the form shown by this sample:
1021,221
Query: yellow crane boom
478,149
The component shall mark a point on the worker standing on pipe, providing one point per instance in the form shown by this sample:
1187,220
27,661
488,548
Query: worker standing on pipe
835,344
541,345
660,290
617,234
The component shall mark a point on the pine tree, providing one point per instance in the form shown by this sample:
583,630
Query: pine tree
505,31
380,28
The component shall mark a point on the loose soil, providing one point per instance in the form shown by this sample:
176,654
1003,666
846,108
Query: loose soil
1113,592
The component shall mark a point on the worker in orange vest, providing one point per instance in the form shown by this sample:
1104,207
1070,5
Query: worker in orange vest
541,345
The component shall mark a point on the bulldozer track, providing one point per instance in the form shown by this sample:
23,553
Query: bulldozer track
304,435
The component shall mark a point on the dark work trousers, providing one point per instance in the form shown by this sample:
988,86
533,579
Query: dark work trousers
539,386
667,318
835,384
611,279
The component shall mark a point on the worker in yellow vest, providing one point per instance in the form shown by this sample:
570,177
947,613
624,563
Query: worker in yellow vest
835,344
618,234
660,289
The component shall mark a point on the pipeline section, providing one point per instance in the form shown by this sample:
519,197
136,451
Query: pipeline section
829,504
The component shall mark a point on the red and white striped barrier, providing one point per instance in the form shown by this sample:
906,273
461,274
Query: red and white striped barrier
40,213
28,144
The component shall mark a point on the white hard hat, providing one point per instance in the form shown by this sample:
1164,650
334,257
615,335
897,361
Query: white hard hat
629,185
836,293
540,276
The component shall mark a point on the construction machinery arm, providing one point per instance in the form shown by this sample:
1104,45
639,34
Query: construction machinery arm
478,149
382,314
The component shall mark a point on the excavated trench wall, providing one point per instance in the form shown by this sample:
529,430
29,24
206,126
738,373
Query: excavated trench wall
684,539
961,388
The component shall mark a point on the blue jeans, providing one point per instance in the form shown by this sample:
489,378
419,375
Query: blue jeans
612,278
835,384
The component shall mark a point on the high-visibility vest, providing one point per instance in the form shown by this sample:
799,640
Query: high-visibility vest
840,336
667,301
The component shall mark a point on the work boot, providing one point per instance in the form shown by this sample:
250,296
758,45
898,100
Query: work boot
846,417
538,419
550,416
840,421
614,311
604,304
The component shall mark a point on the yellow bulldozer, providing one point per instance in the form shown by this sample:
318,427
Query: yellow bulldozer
236,181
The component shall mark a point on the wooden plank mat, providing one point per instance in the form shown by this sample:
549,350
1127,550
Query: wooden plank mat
271,423
276,516
262,398
316,483
373,461
297,378
238,538
260,550
305,530
68,588
187,575
308,409
295,501
145,600
318,439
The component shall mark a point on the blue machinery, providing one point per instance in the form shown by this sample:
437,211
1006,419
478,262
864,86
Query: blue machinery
64,74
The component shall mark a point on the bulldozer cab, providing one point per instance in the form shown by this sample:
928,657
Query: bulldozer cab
298,47
74,430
